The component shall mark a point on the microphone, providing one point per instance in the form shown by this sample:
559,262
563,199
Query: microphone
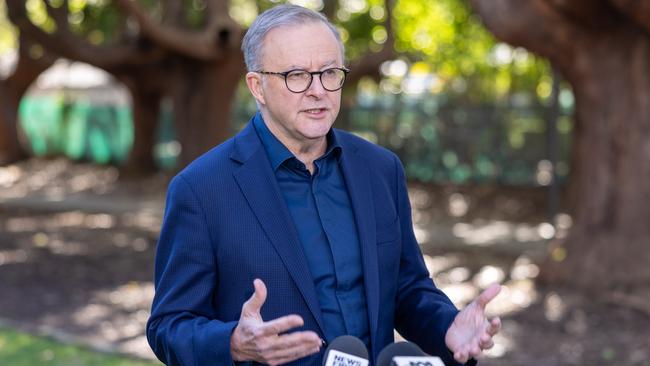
406,354
346,351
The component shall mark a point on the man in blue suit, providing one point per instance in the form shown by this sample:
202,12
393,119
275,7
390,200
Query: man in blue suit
293,233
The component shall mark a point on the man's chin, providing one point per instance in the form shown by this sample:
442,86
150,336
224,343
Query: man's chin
316,127
317,133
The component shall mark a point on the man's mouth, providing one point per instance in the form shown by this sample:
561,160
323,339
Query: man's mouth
314,110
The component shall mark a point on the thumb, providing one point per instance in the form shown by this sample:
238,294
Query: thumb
253,305
488,295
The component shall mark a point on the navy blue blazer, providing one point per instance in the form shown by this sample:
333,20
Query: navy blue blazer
226,223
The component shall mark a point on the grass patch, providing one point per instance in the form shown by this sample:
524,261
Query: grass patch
21,349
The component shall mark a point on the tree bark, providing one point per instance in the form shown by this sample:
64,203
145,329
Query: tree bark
197,69
609,70
202,96
10,149
12,89
609,243
146,114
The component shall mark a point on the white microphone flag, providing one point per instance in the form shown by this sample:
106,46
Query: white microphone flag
337,358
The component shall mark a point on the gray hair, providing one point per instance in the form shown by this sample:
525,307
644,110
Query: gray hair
281,15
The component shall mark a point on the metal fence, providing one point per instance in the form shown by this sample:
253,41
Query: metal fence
445,142
437,140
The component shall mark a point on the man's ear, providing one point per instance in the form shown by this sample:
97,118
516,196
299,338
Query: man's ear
254,83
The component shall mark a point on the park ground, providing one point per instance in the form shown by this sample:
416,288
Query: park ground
77,246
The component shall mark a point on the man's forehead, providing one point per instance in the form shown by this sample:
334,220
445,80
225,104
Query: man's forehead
295,45
299,30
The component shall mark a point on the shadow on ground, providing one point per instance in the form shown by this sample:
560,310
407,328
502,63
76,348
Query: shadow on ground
77,249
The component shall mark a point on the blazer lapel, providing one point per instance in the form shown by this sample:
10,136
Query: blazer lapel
357,179
257,181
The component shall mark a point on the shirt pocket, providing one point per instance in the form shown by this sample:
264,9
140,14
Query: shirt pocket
388,232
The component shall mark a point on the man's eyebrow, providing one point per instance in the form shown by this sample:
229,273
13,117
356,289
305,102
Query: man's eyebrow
329,63
298,67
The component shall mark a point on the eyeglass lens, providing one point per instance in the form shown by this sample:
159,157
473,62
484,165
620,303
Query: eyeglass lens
298,81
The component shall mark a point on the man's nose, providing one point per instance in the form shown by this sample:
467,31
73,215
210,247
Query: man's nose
316,88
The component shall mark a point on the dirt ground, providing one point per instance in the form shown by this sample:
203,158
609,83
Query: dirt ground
77,247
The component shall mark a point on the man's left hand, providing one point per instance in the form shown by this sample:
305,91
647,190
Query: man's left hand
471,332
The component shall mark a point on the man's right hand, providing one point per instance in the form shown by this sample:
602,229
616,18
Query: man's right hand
256,340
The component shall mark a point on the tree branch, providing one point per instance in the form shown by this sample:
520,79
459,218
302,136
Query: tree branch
219,22
638,303
217,8
28,66
199,45
173,12
388,21
66,44
60,14
369,64
532,24
592,14
637,11
329,9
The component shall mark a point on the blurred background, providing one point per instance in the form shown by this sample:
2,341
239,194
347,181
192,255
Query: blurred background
523,126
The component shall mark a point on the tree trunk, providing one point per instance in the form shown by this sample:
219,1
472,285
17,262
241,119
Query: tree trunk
603,49
609,244
197,68
12,90
202,96
10,149
146,114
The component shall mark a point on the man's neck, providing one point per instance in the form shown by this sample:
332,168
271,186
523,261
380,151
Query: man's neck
307,151
309,155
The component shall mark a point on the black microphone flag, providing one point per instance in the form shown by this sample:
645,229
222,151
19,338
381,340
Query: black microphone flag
406,354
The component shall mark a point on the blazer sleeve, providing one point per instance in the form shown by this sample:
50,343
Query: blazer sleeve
423,313
182,329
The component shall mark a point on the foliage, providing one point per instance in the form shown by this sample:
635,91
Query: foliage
441,37
451,41
20,349
362,26
101,21
445,39
7,31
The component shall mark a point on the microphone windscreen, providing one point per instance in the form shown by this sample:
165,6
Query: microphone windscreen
346,350
385,357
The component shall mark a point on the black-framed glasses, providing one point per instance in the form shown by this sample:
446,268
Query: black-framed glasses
297,81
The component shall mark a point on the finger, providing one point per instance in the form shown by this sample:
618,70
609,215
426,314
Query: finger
254,304
306,339
485,341
291,341
281,325
293,357
291,349
487,344
488,295
494,326
282,361
475,351
461,356
485,338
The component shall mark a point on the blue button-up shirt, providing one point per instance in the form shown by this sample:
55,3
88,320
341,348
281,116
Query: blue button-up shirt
320,207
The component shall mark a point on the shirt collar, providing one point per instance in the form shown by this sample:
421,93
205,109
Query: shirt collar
278,153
